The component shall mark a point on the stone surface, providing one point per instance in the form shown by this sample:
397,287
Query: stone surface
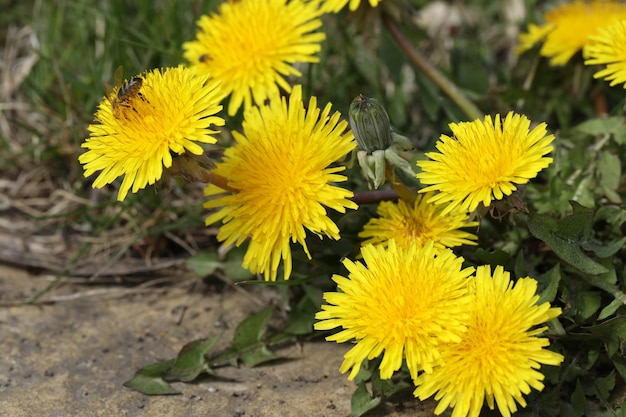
70,357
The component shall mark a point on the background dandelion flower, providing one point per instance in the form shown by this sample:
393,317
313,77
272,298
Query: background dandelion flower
281,169
609,47
484,160
172,112
500,354
250,45
334,6
568,28
418,224
403,303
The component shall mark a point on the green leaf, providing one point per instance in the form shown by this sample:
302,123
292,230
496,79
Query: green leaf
620,135
387,387
604,385
302,315
367,369
257,356
250,331
299,323
148,379
555,327
602,126
612,332
607,282
205,264
620,364
578,400
191,361
610,170
549,284
610,309
577,225
248,339
606,250
587,303
494,258
362,401
563,238
613,215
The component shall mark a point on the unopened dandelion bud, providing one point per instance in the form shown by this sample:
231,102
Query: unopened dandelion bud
373,167
369,122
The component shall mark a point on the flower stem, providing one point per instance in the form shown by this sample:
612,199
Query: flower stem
398,186
211,177
431,72
374,196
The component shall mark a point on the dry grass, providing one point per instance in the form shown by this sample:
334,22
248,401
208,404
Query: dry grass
50,220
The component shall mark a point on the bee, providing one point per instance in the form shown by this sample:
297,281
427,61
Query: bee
127,92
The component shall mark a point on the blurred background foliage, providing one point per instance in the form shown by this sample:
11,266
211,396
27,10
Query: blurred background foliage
59,55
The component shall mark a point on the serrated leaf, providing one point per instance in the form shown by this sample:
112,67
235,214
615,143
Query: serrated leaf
587,303
604,386
362,402
549,284
147,380
612,332
257,356
575,227
250,331
191,361
568,249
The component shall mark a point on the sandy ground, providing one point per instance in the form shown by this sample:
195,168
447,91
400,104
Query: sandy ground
70,357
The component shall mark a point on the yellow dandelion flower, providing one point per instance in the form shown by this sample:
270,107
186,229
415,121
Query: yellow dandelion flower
483,161
500,353
334,6
281,169
609,47
568,28
251,46
405,302
136,130
418,224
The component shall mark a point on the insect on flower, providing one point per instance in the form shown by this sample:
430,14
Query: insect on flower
127,92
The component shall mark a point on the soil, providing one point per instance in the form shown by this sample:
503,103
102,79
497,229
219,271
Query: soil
69,354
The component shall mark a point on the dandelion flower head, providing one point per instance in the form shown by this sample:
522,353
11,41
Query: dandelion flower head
608,48
171,112
404,303
484,160
500,354
252,46
568,28
418,223
281,167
